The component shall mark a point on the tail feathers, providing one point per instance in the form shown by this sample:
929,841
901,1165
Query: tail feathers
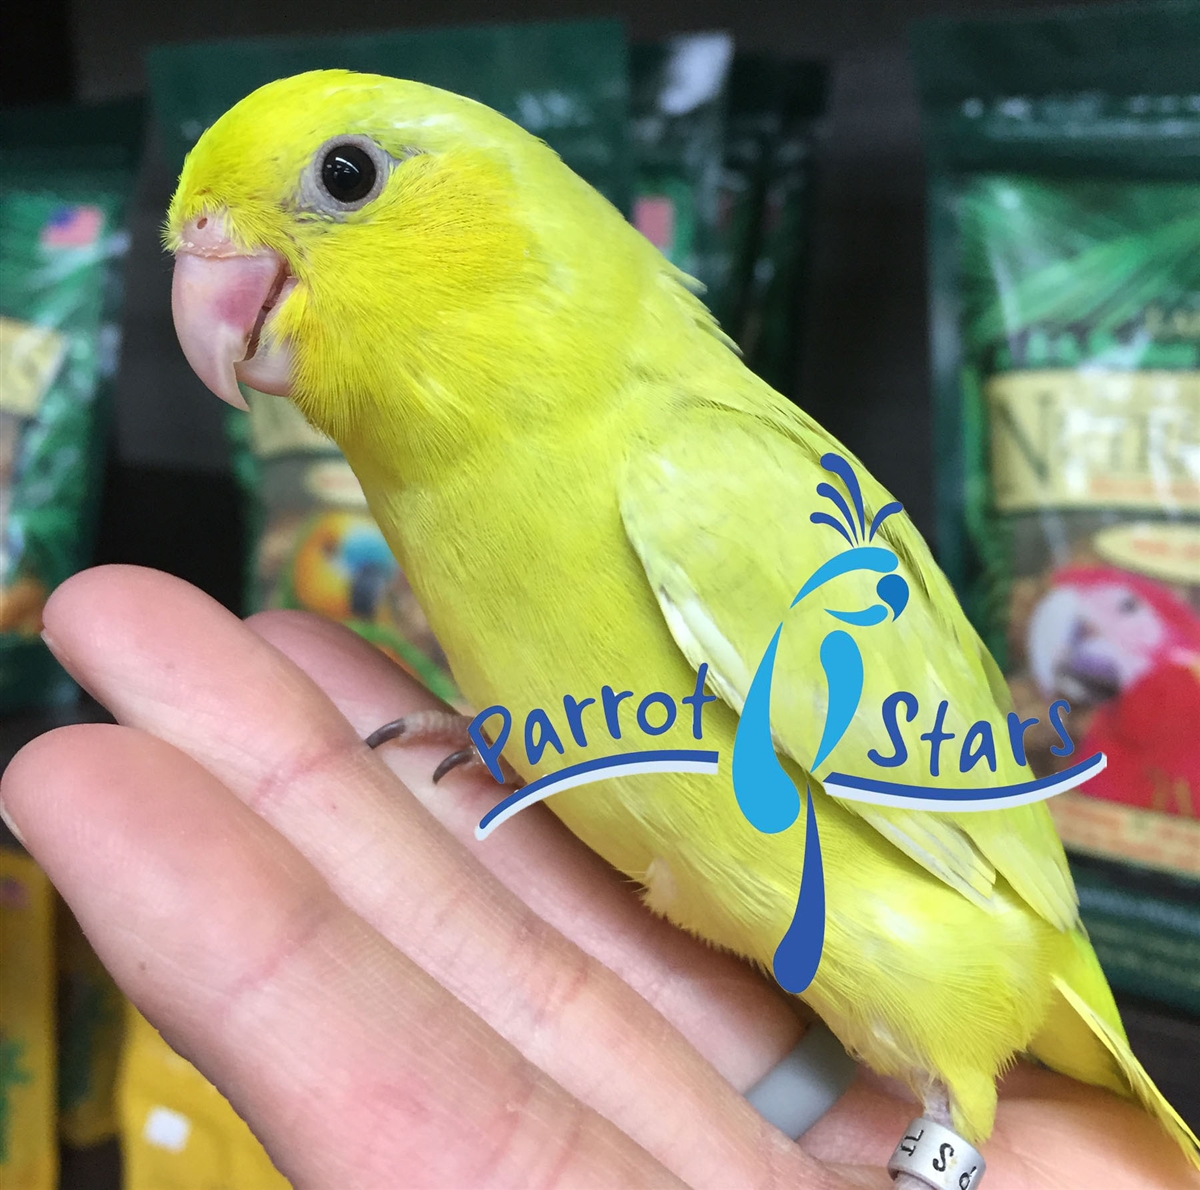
1069,1043
1127,1073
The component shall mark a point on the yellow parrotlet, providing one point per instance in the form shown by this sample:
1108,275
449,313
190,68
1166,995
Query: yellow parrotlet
587,488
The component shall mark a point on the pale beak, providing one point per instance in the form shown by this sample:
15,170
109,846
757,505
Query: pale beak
1066,654
221,298
1051,635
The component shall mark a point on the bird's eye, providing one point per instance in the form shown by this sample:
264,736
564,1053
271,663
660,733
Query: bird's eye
1128,605
345,174
348,173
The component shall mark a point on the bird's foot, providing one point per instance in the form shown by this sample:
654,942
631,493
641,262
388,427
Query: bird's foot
931,1155
937,1106
433,727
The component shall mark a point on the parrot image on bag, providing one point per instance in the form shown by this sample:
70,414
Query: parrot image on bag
341,567
595,502
1130,645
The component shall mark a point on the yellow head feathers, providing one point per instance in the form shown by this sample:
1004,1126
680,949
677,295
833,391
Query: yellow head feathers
252,160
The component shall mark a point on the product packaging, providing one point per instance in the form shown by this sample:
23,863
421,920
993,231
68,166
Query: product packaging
1064,209
565,81
677,128
28,1138
65,179
316,546
723,179
177,1131
90,1028
775,107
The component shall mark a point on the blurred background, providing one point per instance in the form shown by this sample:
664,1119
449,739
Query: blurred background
866,372
798,180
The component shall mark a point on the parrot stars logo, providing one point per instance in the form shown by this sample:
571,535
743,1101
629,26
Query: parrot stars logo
541,734
766,793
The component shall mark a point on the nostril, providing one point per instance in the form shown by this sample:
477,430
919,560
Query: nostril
205,235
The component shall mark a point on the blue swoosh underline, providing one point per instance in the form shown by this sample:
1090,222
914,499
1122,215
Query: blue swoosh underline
660,757
926,793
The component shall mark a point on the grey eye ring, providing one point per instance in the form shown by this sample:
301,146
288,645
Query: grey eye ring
345,174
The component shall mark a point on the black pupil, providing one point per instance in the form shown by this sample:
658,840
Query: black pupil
348,173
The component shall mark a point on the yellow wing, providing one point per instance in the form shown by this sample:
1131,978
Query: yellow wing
719,516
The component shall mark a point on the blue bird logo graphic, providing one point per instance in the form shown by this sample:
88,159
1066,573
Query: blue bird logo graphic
765,793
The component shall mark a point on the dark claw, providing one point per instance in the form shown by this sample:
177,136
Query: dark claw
462,756
381,735
416,729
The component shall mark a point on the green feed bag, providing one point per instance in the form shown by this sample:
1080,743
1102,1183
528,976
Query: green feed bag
1064,209
65,179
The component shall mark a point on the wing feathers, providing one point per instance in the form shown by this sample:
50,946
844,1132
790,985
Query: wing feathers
718,515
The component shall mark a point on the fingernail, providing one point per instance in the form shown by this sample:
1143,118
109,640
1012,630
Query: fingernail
50,642
12,826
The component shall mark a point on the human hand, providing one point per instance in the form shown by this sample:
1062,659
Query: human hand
388,1002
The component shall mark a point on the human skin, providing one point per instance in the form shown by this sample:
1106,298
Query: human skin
389,1002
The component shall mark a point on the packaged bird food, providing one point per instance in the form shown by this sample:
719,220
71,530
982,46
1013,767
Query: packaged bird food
775,106
677,128
90,1026
178,1132
28,1141
723,169
1065,301
566,81
65,178
314,544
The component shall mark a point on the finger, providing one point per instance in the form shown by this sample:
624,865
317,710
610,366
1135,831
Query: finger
352,1065
1050,1131
1053,1130
864,1125
167,659
742,1024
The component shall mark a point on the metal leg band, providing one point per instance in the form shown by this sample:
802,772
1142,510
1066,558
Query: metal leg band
938,1157
795,1094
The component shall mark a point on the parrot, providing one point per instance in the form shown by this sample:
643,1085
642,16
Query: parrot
593,498
341,567
1111,637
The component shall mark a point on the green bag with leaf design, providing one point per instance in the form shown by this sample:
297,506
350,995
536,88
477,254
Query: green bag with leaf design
1064,222
66,175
